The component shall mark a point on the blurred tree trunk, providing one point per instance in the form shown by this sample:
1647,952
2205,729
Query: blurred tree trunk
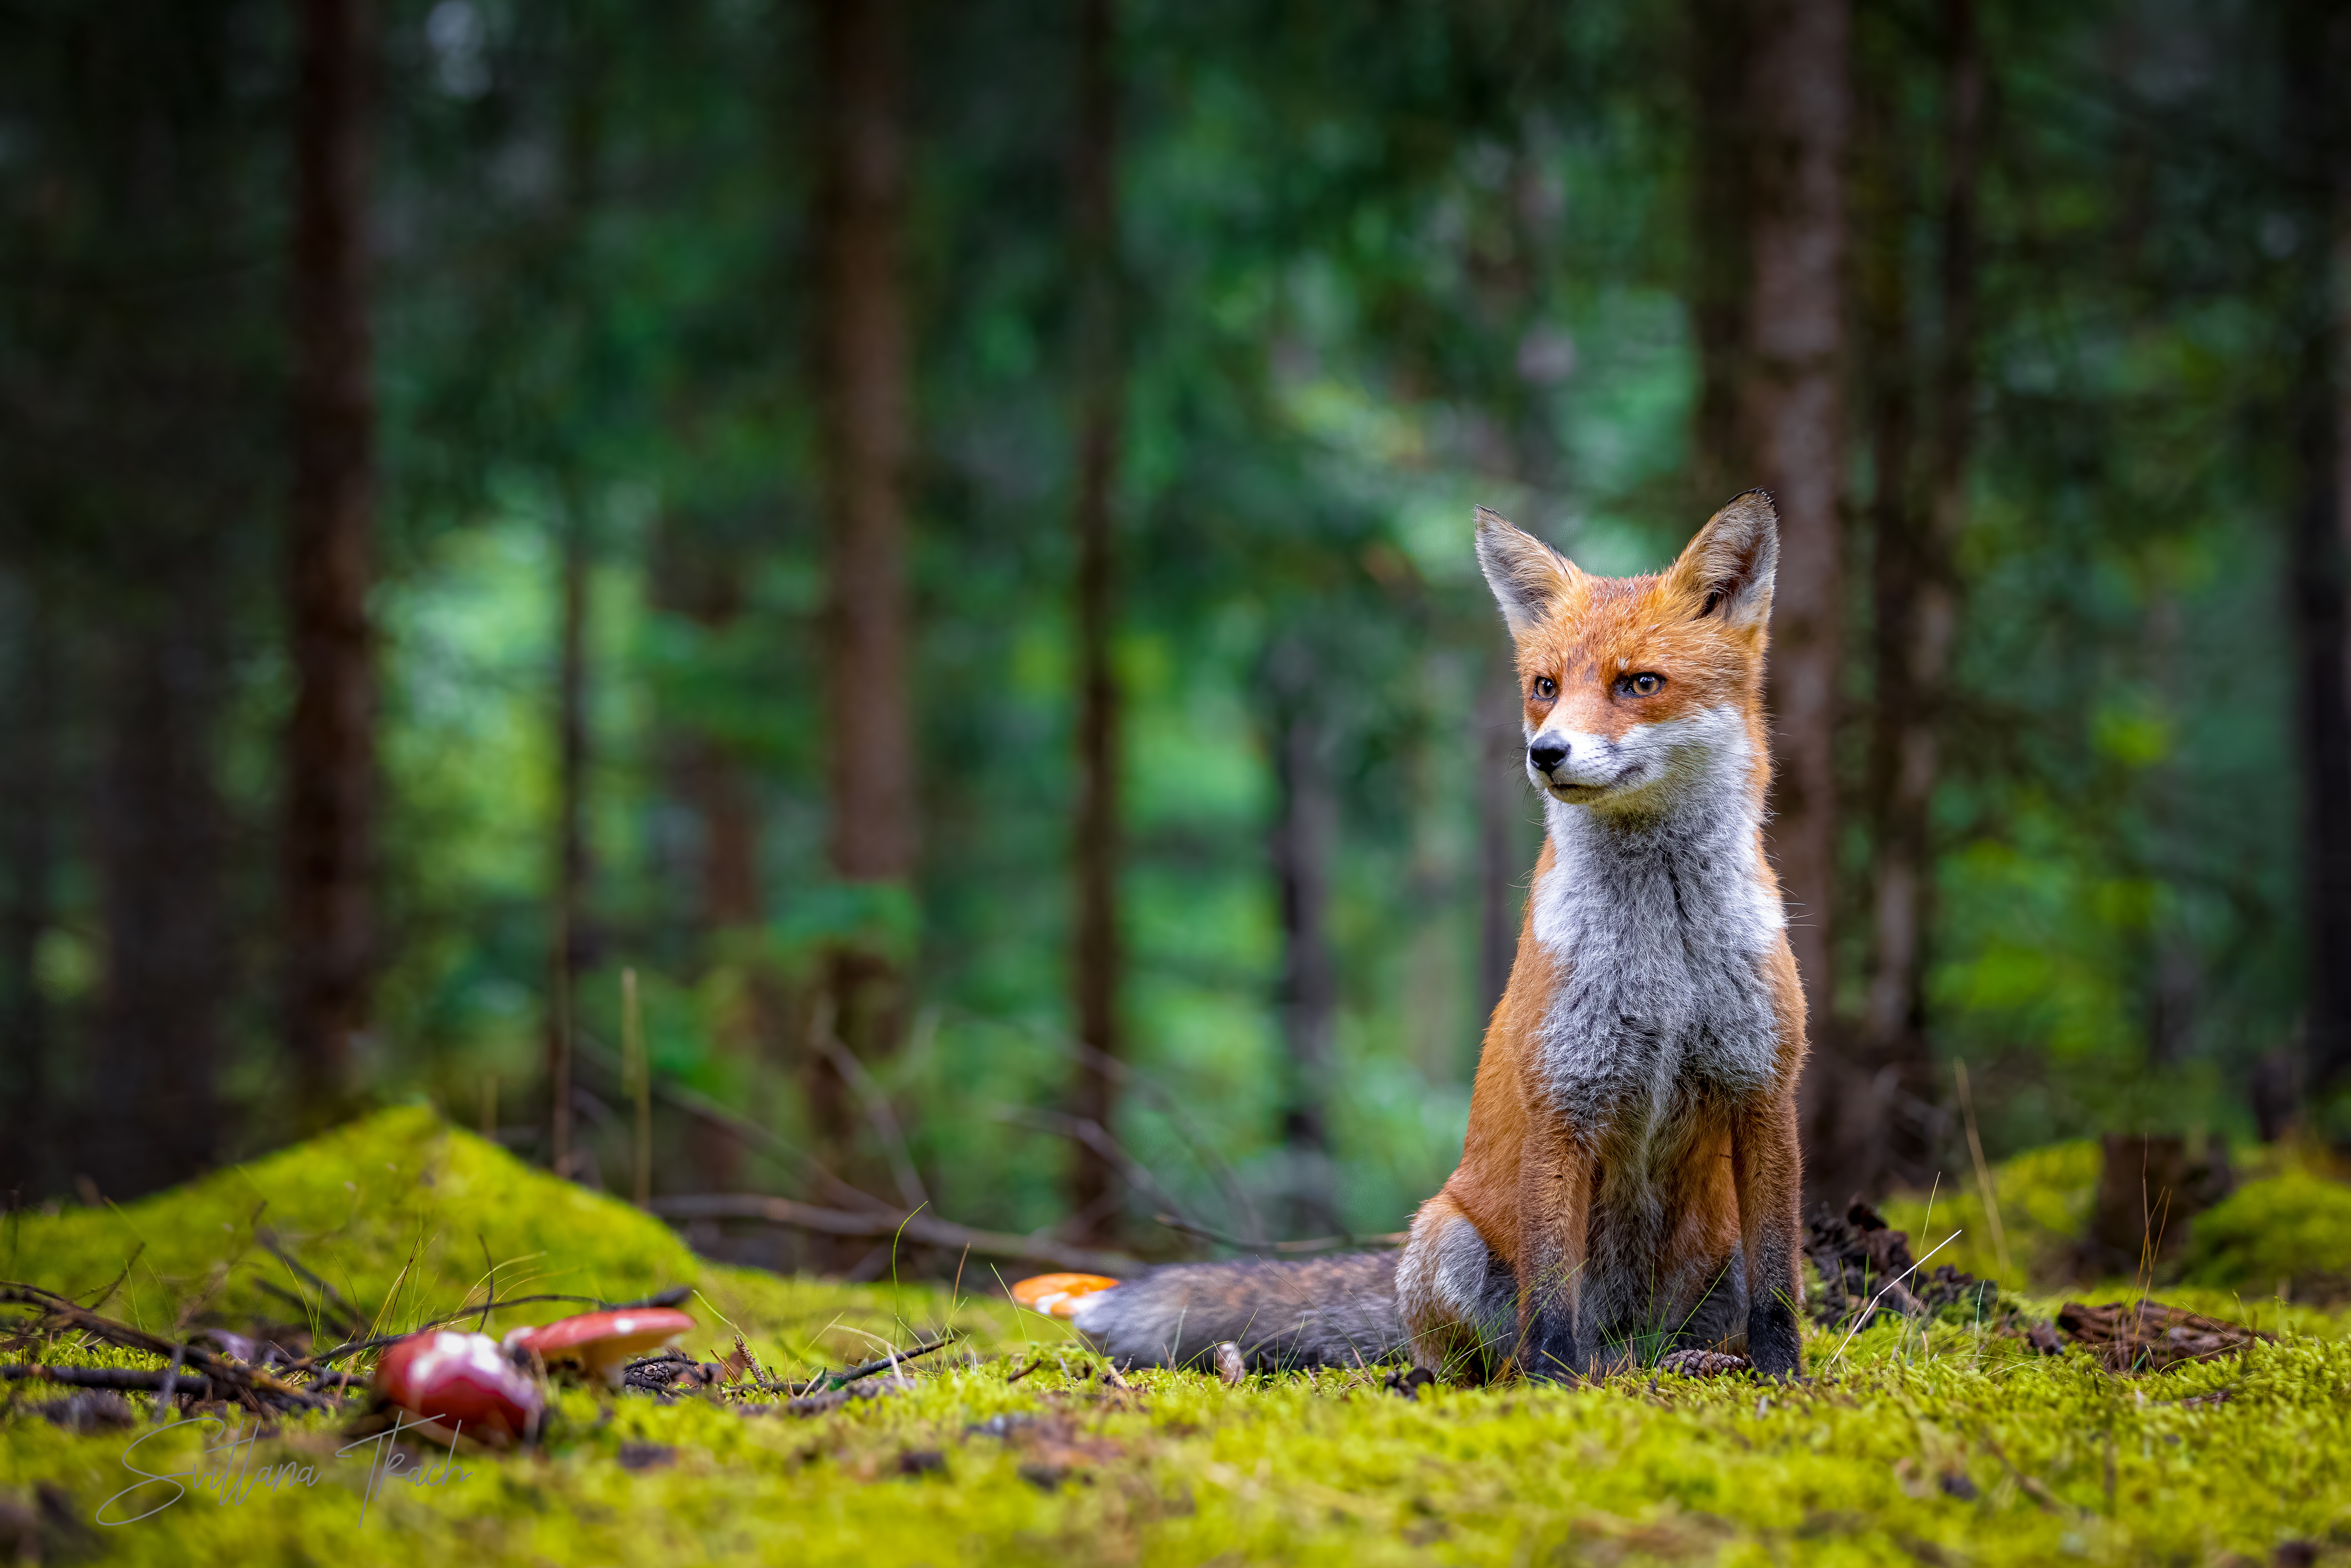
330,740
161,858
1882,1135
28,807
1305,833
1721,222
1094,953
1790,435
863,391
569,941
705,585
2319,547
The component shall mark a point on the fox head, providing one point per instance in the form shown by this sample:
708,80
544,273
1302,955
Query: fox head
1641,693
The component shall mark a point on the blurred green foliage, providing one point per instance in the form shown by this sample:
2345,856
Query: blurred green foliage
1381,264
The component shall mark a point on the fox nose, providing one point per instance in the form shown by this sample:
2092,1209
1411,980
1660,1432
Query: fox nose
1547,753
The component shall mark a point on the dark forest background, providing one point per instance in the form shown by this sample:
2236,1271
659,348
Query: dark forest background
935,540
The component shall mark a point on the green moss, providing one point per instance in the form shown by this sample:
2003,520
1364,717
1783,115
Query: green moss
2295,1227
2044,1197
1943,1445
406,1217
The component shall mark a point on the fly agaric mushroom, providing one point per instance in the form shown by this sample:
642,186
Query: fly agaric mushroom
460,1383
603,1343
1057,1295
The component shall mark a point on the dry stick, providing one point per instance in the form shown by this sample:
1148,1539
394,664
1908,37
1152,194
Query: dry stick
1090,1133
113,1331
878,1114
1177,1117
1863,1316
269,1239
636,1073
1983,1172
124,1379
1378,1239
921,1228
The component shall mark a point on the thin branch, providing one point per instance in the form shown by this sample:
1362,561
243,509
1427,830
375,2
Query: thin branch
1312,1244
923,1227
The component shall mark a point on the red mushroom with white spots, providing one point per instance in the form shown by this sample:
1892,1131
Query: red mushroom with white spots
460,1383
603,1343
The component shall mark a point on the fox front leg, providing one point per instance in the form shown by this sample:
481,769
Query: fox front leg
1555,1202
1768,1171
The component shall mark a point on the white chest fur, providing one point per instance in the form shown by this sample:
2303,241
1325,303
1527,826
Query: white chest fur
1663,931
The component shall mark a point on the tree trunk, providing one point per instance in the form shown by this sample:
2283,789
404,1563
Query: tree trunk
865,398
1882,1133
1304,839
570,943
1720,223
161,852
1094,953
1791,423
2319,549
28,801
330,740
696,579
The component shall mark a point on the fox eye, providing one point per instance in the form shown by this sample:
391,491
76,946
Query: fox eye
1645,684
1545,687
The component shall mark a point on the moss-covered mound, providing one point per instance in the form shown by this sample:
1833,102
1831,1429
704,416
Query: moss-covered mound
407,1218
2292,1230
2044,1197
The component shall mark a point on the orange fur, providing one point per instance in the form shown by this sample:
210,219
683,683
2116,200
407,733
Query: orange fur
1728,1176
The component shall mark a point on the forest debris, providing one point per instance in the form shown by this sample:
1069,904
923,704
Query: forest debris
1409,1383
916,1227
264,1387
646,1456
2148,1336
1862,1262
1702,1362
132,1378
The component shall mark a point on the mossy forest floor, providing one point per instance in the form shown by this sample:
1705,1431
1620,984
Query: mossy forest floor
1946,1445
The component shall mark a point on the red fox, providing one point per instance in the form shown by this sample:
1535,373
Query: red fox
1630,1180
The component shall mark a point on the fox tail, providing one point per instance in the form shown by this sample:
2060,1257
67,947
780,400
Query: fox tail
1328,1312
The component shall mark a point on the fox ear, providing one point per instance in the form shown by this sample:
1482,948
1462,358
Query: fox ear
1728,568
1527,575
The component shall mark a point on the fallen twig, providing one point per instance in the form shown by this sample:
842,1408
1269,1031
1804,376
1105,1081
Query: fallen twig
351,1319
1378,1239
117,1377
923,1227
850,1375
232,1375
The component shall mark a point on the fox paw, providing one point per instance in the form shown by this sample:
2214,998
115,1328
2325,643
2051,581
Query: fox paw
1702,1362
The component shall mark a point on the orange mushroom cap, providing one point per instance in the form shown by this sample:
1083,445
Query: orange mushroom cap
1057,1295
602,1343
